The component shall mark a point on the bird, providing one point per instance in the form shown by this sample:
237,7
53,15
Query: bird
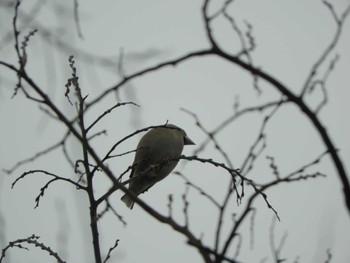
154,158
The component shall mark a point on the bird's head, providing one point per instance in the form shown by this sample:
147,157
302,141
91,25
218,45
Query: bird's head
187,140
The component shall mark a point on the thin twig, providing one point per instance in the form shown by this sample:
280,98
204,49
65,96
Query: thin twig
111,250
109,111
77,20
339,21
38,154
32,240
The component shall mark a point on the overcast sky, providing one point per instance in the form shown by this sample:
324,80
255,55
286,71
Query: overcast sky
290,36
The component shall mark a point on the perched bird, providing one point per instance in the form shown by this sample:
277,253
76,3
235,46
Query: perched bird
153,159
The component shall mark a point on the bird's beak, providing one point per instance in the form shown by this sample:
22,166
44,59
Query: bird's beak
188,141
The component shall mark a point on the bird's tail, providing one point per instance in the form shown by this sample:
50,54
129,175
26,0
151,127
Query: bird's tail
128,202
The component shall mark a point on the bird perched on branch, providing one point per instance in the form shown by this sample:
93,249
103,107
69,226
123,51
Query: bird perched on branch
154,158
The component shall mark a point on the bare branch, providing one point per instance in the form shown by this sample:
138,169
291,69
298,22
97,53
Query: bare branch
186,205
24,44
38,154
103,132
200,190
122,154
77,20
221,10
252,155
109,153
16,33
308,165
170,205
273,166
236,115
109,207
109,111
339,21
42,190
321,130
245,49
211,137
100,164
32,240
284,179
233,174
207,20
322,84
276,252
130,77
111,250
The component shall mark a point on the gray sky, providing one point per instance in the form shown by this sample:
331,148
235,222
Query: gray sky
290,36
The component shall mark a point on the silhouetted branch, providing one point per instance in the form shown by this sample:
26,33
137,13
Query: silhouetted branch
132,76
38,154
320,128
90,162
246,48
235,116
32,240
233,174
111,250
170,205
185,207
211,137
276,252
340,22
273,166
253,154
200,190
109,111
294,176
54,179
322,84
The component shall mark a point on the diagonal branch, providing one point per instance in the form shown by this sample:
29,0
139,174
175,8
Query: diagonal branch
320,128
339,21
130,77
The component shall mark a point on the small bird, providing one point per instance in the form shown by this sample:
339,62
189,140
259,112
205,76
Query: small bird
154,158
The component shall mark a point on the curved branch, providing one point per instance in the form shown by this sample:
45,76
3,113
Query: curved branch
207,23
320,128
33,240
192,240
248,208
55,176
126,79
